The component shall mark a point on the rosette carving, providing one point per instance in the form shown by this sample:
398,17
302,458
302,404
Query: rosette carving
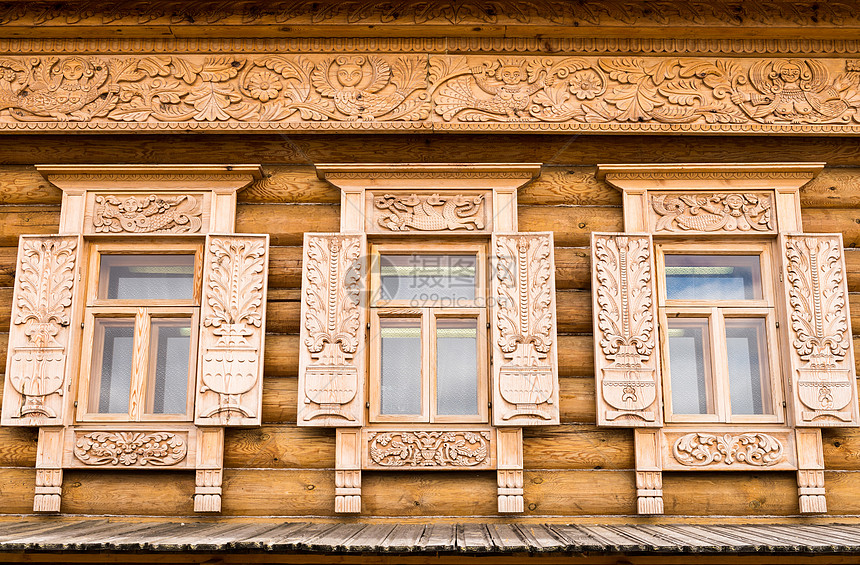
130,449
754,449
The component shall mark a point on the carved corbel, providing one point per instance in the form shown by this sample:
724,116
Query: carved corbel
509,456
810,471
210,469
347,474
649,471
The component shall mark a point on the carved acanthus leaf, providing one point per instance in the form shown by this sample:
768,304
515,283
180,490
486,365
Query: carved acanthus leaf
753,449
129,449
712,212
429,212
429,449
147,214
235,287
379,91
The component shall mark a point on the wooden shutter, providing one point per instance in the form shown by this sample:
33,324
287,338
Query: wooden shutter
41,349
232,327
819,344
525,365
333,326
625,332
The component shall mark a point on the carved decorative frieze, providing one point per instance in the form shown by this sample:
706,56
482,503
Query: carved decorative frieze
429,449
428,212
39,335
820,332
379,91
752,449
130,449
584,13
702,212
152,213
525,388
331,364
232,328
625,333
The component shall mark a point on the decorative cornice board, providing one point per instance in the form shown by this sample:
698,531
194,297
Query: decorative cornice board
412,92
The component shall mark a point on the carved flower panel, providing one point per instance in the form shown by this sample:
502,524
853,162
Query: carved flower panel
429,450
399,211
379,91
144,213
711,212
728,450
129,449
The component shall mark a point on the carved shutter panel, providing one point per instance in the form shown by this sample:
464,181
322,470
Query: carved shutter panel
819,344
41,348
625,336
232,327
525,364
333,324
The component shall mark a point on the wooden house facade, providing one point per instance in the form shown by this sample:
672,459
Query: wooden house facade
428,281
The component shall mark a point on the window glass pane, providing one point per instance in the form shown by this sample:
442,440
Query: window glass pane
112,358
456,366
419,279
147,277
748,371
168,384
713,277
689,366
400,344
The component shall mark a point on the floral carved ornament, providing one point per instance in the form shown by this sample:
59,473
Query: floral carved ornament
129,449
429,448
409,91
147,214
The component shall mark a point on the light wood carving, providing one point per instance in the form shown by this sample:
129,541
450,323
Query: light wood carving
130,449
332,339
429,449
429,212
152,213
509,476
625,333
821,352
525,367
40,335
702,212
210,469
753,449
648,445
347,475
49,469
233,312
810,471
383,91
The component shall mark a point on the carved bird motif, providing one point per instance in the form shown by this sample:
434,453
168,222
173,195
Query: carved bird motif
355,84
56,88
507,83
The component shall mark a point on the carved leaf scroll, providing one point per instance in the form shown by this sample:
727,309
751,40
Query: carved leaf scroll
525,367
429,449
332,340
429,212
625,332
743,212
39,336
130,449
147,214
703,450
232,330
820,331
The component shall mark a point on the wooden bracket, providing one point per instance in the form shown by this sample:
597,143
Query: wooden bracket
210,462
347,475
509,464
49,470
810,471
649,472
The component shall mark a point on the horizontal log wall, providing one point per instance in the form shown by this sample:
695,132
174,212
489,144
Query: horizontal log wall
572,470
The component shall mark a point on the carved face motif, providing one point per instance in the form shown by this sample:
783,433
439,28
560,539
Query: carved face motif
349,74
510,74
73,70
735,203
789,73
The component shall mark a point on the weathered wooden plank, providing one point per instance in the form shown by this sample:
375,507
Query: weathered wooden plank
505,537
572,224
282,184
285,267
17,220
830,220
8,259
577,447
279,400
832,188
569,185
404,537
842,491
120,492
285,223
18,446
572,268
373,537
24,185
730,494
17,485
284,446
438,537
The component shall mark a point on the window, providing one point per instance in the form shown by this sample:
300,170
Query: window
142,321
716,310
428,356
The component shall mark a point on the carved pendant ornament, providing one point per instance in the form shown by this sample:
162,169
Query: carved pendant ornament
703,450
147,214
429,92
332,333
41,317
431,449
232,328
429,212
625,331
130,449
524,330
820,333
747,212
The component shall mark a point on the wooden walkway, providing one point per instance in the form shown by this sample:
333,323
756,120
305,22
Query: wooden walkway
216,537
